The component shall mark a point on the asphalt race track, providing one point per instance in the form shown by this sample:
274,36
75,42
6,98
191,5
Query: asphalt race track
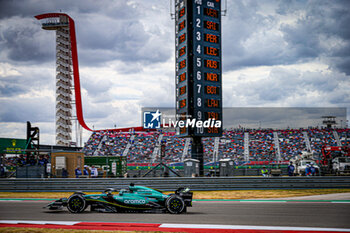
291,214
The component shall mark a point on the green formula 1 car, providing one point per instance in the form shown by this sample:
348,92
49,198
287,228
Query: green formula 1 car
133,199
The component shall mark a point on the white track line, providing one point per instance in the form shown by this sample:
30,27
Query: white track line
243,227
69,223
192,226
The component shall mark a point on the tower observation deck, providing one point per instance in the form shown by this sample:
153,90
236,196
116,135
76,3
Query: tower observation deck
66,67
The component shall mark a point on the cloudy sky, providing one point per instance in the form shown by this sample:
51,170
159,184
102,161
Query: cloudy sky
275,54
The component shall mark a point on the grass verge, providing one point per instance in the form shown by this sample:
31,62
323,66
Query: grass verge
257,194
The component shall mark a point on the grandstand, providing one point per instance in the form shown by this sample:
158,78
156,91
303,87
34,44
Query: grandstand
261,144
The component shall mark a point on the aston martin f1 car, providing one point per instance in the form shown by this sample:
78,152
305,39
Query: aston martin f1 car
132,199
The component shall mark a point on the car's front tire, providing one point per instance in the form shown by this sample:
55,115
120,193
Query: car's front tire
174,204
76,203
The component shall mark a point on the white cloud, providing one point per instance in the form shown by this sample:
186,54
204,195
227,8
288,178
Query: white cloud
7,69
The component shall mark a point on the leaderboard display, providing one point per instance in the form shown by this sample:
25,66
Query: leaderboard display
198,64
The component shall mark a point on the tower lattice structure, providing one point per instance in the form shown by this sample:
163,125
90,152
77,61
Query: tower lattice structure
66,70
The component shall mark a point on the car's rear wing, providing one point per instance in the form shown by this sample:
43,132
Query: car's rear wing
186,195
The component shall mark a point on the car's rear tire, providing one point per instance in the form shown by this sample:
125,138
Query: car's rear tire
174,204
76,203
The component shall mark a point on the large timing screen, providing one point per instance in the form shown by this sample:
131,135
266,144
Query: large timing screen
198,64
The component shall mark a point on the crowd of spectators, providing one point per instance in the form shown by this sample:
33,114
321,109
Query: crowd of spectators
320,137
174,148
106,142
231,144
344,136
23,160
292,143
261,145
92,144
142,146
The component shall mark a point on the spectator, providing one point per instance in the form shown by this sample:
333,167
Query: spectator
77,172
21,161
2,171
94,172
312,170
291,169
85,171
64,173
264,172
307,170
32,161
41,161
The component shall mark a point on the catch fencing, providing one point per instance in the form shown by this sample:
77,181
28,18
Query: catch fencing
170,184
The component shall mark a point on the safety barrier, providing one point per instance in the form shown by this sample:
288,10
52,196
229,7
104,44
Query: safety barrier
168,184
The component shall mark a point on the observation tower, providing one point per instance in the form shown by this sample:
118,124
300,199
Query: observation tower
67,78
